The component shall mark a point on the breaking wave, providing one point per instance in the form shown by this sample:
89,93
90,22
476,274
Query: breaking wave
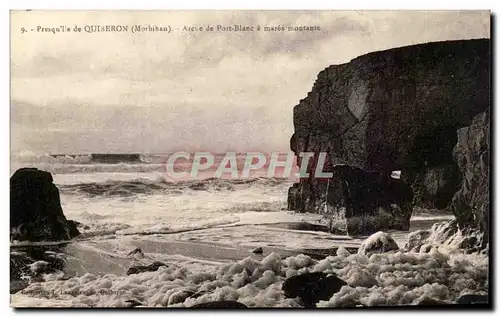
112,188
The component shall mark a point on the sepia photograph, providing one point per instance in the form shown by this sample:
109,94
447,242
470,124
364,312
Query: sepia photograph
209,159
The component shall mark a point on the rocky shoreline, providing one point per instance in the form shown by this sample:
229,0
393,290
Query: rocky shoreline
422,110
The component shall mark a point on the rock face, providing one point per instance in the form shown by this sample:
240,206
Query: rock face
220,304
397,109
446,235
392,110
434,188
471,204
428,301
145,268
473,299
367,200
31,265
416,240
35,208
312,287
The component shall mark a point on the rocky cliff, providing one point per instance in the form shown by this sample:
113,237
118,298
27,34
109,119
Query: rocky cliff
398,109
471,203
35,208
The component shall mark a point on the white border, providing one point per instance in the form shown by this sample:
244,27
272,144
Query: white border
214,4
257,4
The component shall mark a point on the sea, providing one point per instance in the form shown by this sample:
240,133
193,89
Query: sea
196,223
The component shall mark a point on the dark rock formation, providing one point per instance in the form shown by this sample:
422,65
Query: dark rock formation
73,227
312,287
145,268
367,201
181,295
398,109
32,264
473,299
35,208
220,304
434,188
19,271
471,204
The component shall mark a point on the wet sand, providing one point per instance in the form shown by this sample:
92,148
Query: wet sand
81,259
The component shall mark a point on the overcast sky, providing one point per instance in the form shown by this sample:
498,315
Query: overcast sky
158,92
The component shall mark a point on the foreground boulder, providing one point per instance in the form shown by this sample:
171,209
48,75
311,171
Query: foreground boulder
416,240
366,202
312,287
31,265
35,208
145,268
379,242
471,203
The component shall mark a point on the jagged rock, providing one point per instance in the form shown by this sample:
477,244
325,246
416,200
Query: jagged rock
367,202
133,303
73,227
379,242
434,188
220,304
397,109
473,299
145,268
115,158
471,204
447,235
40,267
35,208
33,263
312,287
